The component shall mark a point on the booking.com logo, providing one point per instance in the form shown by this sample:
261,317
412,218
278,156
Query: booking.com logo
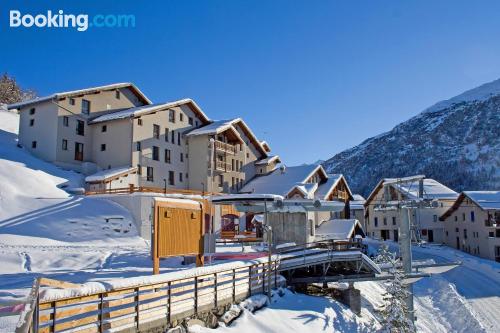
61,20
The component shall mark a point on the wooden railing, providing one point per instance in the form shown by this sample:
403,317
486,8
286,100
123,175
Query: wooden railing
147,189
223,166
225,147
152,305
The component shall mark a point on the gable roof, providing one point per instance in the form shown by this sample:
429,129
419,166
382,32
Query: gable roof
85,91
146,109
282,180
486,200
432,189
306,189
339,229
326,188
268,160
219,126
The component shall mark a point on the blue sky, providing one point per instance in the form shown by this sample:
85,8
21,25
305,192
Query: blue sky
311,77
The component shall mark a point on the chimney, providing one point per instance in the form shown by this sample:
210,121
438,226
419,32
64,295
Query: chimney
421,188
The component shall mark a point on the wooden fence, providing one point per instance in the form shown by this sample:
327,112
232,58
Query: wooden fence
150,305
147,189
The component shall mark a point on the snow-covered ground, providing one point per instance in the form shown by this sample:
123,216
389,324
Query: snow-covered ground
464,299
45,231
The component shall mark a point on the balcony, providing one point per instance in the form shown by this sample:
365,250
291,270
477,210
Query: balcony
224,147
223,166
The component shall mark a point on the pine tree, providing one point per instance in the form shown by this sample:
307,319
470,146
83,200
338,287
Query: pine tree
395,311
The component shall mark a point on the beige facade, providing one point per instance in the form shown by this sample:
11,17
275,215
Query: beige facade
117,126
383,216
473,229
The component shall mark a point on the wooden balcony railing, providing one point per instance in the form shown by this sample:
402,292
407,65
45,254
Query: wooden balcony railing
223,166
225,147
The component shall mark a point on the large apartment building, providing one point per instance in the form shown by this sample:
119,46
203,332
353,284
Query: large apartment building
116,137
472,224
383,216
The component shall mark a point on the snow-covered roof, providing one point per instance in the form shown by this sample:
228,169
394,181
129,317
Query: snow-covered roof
357,202
485,199
327,187
268,160
218,126
266,146
432,189
145,109
280,181
340,229
82,92
306,189
110,173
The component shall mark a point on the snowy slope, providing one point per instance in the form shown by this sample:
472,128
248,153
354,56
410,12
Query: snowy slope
45,230
455,142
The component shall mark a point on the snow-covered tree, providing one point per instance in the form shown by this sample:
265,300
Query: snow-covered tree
395,311
11,92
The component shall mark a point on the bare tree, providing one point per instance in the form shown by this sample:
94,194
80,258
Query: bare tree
11,92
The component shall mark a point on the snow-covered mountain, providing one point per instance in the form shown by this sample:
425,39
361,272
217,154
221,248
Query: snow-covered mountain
456,142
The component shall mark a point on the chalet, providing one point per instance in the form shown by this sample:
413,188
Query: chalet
382,213
472,224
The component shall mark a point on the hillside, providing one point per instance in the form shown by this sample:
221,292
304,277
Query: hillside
456,142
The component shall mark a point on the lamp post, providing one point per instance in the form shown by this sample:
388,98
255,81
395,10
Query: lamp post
269,232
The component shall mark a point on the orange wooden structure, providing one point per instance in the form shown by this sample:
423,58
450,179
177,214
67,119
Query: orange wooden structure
177,230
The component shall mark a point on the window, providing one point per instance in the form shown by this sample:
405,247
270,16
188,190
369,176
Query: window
139,169
117,94
156,153
32,111
32,122
232,182
64,144
65,121
446,233
166,134
182,157
138,146
181,116
178,138
463,216
167,156
171,178
85,106
232,165
149,174
385,220
33,144
187,175
78,151
491,234
375,221
103,147
196,123
104,128
472,217
190,121
435,218
171,116
139,121
221,180
465,233
394,220
173,136
456,229
80,127
456,218
71,101
180,177
156,131
241,165
311,227
248,155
